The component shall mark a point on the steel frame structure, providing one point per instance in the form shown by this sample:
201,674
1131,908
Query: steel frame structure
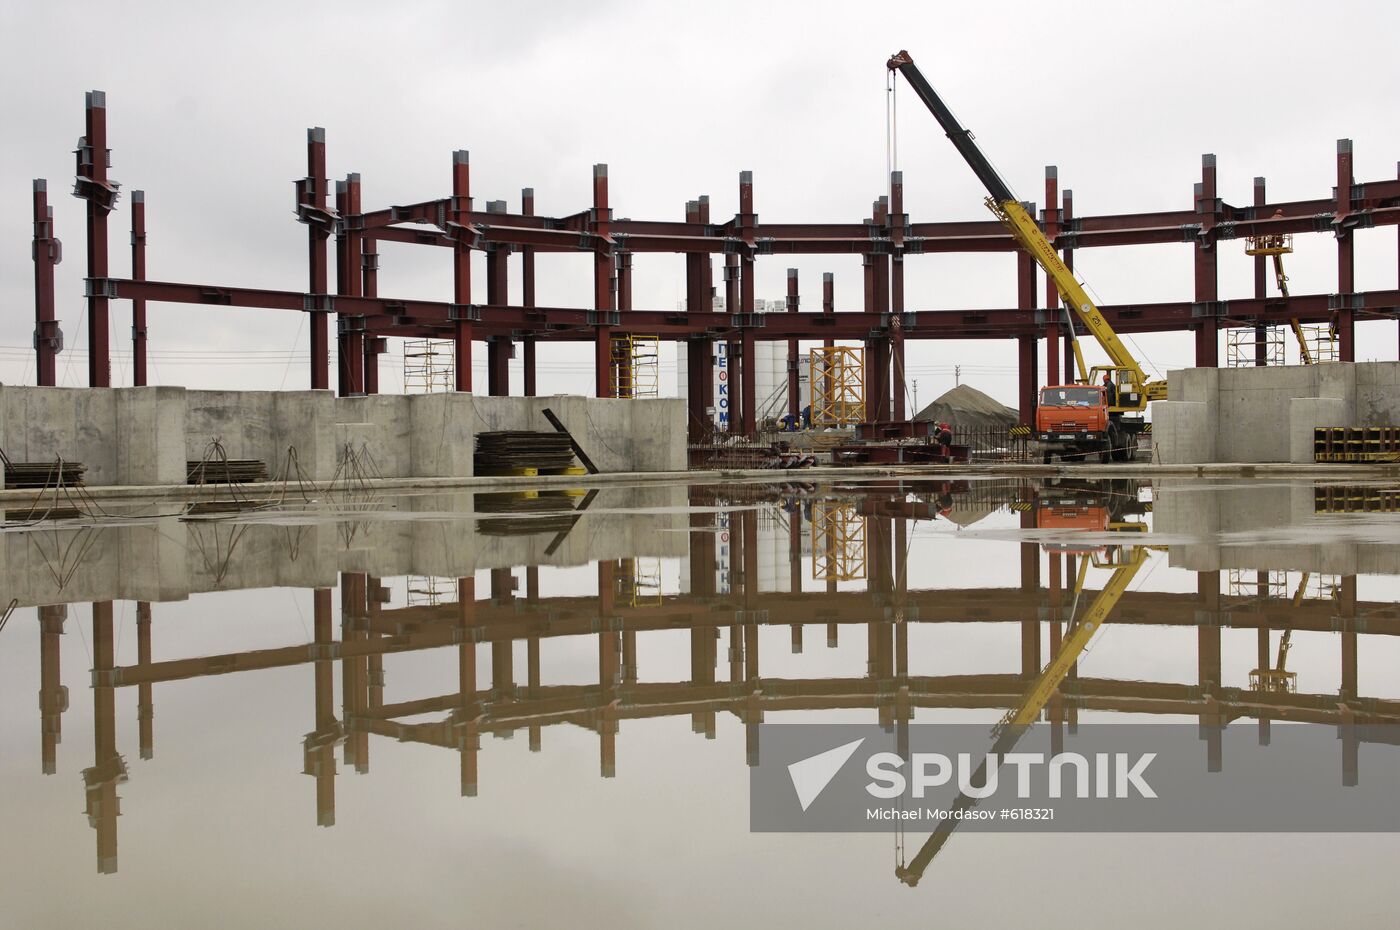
884,240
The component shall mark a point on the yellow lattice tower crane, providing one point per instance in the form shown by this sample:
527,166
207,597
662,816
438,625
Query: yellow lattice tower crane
837,381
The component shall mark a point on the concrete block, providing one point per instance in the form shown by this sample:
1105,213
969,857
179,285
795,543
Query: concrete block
1377,399
240,421
379,431
305,421
1306,414
443,435
505,413
659,434
150,435
1183,432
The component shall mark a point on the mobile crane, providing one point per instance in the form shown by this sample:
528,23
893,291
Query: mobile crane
1072,420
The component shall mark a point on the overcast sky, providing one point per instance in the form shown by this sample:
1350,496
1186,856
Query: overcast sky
208,107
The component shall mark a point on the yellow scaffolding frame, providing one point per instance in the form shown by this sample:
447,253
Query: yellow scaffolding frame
837,383
838,541
636,366
429,365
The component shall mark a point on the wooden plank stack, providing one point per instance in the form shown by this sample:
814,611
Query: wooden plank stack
43,474
229,471
519,452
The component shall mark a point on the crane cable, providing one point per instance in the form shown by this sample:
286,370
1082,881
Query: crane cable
891,125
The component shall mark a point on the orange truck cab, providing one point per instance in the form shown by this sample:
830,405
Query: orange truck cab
1073,421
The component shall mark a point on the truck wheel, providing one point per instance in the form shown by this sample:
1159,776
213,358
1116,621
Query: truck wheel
1106,453
1049,457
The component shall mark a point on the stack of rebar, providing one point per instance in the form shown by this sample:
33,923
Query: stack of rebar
518,452
43,474
225,471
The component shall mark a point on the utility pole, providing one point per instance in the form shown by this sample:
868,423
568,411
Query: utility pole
957,375
916,395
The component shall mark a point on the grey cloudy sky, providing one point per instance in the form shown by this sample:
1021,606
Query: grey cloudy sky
208,105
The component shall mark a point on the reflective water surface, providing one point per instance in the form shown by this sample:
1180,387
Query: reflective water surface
539,708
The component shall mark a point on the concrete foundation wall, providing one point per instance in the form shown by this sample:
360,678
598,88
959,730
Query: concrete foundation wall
171,559
1208,527
1255,414
144,436
263,425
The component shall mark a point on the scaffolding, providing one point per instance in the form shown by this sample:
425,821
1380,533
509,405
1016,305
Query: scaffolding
430,590
429,366
1248,583
1243,346
642,588
838,541
837,383
636,366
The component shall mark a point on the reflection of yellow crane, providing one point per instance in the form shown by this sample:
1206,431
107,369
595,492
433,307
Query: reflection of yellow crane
1125,562
1278,679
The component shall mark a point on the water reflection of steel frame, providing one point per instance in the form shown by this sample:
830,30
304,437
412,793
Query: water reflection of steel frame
371,630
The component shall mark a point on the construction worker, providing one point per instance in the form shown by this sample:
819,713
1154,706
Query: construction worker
1110,392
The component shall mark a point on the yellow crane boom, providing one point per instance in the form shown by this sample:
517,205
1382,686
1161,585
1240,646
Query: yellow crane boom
1009,731
1134,389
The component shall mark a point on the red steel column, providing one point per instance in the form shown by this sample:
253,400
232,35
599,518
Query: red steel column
1207,290
100,194
342,272
462,271
1261,277
748,370
794,406
699,350
498,348
107,768
897,221
48,252
1027,344
354,259
145,701
732,362
527,292
53,697
138,273
318,231
707,295
1067,219
1052,296
369,285
1345,318
828,307
602,283
626,377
